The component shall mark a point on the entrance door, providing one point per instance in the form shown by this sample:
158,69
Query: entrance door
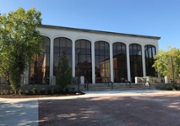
120,75
87,73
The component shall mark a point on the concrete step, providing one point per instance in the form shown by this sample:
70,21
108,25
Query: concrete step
116,86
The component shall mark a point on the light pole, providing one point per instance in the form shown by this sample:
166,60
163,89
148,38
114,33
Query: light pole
78,92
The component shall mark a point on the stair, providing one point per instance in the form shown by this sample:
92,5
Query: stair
116,86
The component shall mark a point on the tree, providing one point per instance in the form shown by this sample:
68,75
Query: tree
168,63
64,72
19,42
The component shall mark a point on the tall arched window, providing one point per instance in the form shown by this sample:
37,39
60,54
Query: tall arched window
83,60
62,44
119,62
102,61
135,53
150,52
39,69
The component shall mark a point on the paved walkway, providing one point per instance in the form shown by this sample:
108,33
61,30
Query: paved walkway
18,112
107,108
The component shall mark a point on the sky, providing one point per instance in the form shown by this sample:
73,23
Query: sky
143,17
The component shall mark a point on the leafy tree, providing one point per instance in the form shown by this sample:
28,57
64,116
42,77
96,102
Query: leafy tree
168,63
64,71
19,41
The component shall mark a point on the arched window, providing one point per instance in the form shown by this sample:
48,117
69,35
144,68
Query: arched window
102,61
39,69
119,62
150,52
83,60
135,53
62,44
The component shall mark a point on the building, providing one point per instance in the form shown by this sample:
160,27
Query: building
115,56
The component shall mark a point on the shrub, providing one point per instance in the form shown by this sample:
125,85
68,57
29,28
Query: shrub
27,92
11,91
5,92
42,91
55,91
1,92
168,87
67,89
34,91
60,90
49,91
20,92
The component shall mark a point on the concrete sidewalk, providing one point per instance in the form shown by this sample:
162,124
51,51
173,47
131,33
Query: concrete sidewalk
18,112
21,112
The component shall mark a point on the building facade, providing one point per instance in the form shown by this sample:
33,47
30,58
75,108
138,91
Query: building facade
99,55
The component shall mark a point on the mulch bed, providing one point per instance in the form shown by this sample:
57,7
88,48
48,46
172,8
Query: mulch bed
38,96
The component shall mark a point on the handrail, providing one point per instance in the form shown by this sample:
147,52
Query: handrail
128,82
109,81
86,85
112,84
106,81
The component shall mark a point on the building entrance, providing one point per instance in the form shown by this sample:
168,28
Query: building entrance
87,73
120,75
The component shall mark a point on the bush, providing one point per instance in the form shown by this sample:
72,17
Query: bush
177,87
11,91
5,92
34,91
154,79
42,91
27,92
20,92
60,90
67,89
49,91
168,87
55,91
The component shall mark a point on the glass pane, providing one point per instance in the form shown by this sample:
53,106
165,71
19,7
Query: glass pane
56,45
97,48
69,46
101,48
62,42
106,48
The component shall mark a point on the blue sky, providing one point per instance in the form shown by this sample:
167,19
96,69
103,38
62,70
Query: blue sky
144,17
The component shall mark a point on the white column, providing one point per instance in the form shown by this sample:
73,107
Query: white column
128,63
143,62
93,62
51,59
111,63
73,58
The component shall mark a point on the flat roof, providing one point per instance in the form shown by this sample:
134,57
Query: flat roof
98,31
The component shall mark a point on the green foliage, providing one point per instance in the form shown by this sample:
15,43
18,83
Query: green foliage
177,87
49,91
164,61
42,91
154,79
72,80
67,90
64,71
19,42
60,90
5,92
34,91
4,85
20,92
55,91
27,92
